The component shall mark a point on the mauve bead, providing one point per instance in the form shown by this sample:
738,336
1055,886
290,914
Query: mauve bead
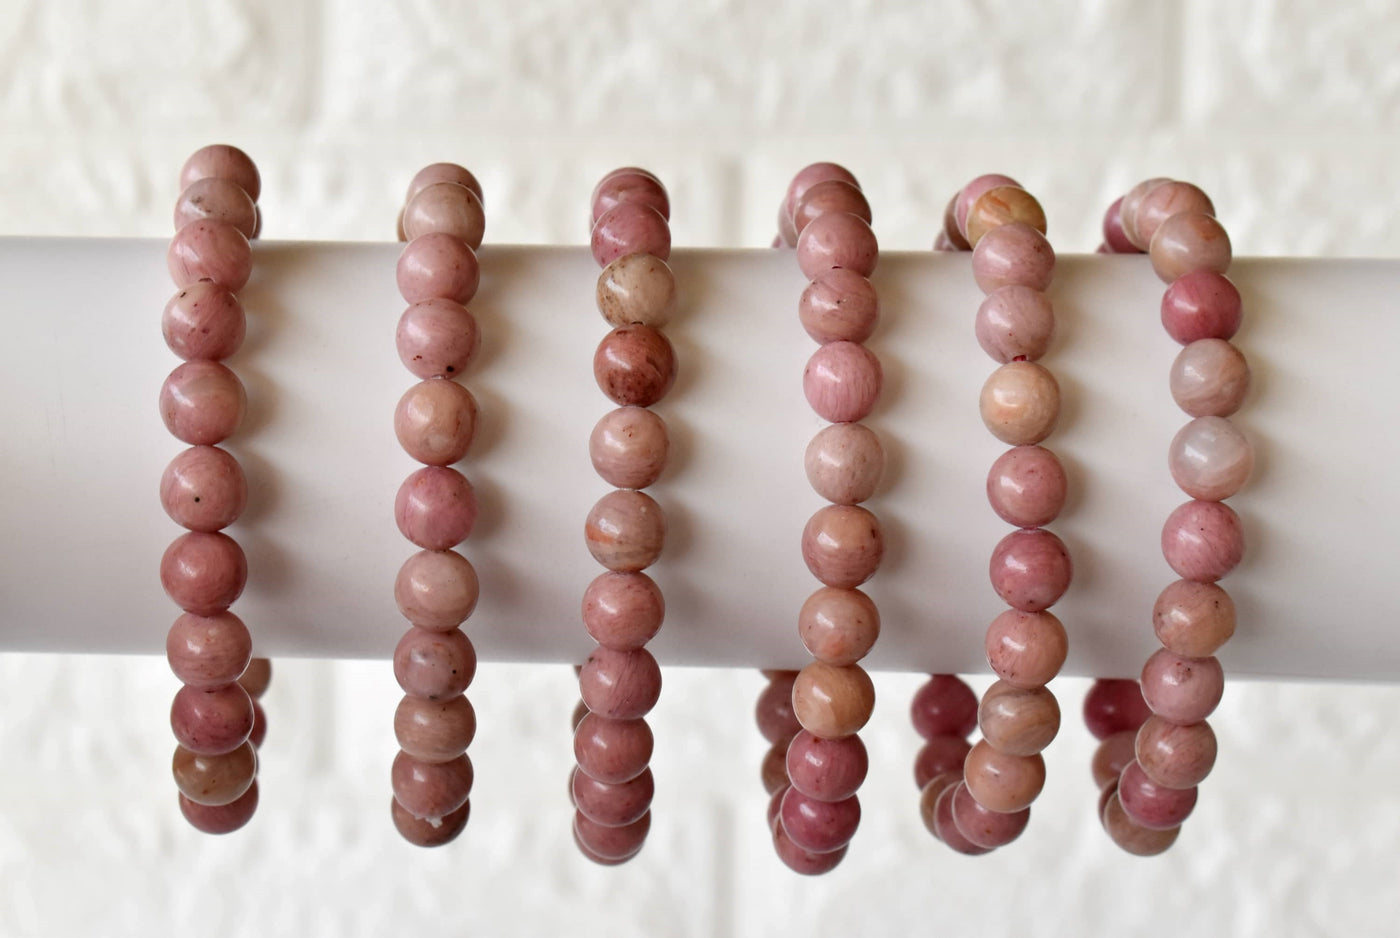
435,421
1015,322
435,508
206,652
938,755
787,234
1003,205
929,793
773,711
773,770
837,239
832,701
436,589
1113,706
447,208
203,489
1132,836
634,365
580,711
435,173
1210,378
1026,486
612,751
637,288
1201,304
1151,805
640,188
214,721
1013,255
1106,791
630,228
838,626
431,789
1189,241
843,545
204,320
1113,753
625,531
620,685
945,826
831,195
434,730
943,706
1003,782
259,732
819,826
804,862
438,266
1182,690
839,305
210,250
970,193
217,200
1210,459
842,381
1030,570
775,804
221,161
437,338
1019,721
203,573
1020,403
221,819
618,844
202,403
628,447
623,610
429,832
214,780
1193,619
1162,202
984,828
612,805
1115,239
826,769
1026,649
809,176
434,665
1128,207
256,677
844,463
951,237
1203,541
1173,755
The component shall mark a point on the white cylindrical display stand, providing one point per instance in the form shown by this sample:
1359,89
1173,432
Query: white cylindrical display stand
82,531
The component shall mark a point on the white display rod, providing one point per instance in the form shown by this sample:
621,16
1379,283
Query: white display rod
82,531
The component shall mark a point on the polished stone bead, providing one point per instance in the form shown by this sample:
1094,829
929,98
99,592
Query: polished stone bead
1114,705
214,721
628,447
434,730
1030,569
1027,486
1193,619
625,531
620,685
843,545
202,403
203,489
1173,755
210,250
1019,721
1182,690
634,364
219,200
1015,322
429,832
206,652
204,321
844,463
203,573
431,789
612,805
445,208
819,826
839,305
838,626
1210,378
221,819
613,751
1020,403
214,780
1003,782
943,706
436,589
832,701
436,508
438,266
222,161
437,338
826,769
1026,649
434,665
842,381
1203,541
623,610
435,421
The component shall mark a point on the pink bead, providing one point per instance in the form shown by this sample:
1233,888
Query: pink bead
434,730
838,626
1013,255
951,238
787,234
842,381
1175,756
944,706
843,545
221,819
939,755
1201,304
630,228
257,677
214,780
442,172
1015,322
612,805
1189,241
639,188
203,573
804,862
1130,835
218,200
434,665
429,833
214,721
259,732
1026,649
202,403
773,712
983,828
628,447
612,751
826,769
1113,754
431,789
844,463
1019,721
1182,690
832,195
208,651
623,610
970,193
625,531
435,421
435,508
1114,705
221,161
610,845
203,489
945,826
1210,378
1149,804
929,793
620,685
837,239
636,288
839,305
204,320
635,365
1210,459
1203,541
811,175
210,250
1127,209
1026,486
438,266
1030,569
1114,238
1162,202
819,826
436,589
437,338
447,208
1193,619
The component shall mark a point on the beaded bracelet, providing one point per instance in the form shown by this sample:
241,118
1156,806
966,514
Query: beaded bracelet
825,214
1202,540
1013,264
216,720
436,589
611,786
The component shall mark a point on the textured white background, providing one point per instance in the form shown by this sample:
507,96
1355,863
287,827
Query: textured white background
1284,110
